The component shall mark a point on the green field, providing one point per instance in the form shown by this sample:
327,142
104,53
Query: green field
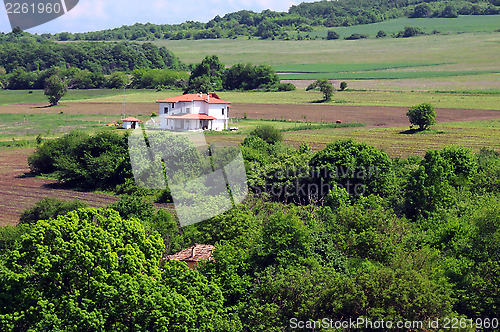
474,135
489,99
459,61
383,75
10,97
463,23
468,51
357,98
21,130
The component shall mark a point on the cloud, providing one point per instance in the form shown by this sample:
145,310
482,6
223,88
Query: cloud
92,15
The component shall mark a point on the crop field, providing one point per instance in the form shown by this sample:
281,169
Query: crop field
21,124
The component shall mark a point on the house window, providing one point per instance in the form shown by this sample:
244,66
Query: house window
223,111
173,105
165,110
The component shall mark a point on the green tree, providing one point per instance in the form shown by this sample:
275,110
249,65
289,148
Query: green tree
428,186
449,12
343,86
422,115
55,89
285,241
422,10
117,80
133,207
332,34
357,167
324,86
207,75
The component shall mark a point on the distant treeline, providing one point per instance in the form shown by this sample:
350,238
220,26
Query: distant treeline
19,50
305,17
74,78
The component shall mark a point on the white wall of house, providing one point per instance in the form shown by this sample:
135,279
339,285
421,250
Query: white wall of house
219,111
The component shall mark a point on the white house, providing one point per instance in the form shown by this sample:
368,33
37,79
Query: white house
194,111
131,123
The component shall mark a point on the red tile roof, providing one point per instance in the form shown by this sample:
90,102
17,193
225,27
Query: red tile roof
131,119
195,253
191,116
210,98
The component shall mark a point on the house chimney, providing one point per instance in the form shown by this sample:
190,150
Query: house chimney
193,249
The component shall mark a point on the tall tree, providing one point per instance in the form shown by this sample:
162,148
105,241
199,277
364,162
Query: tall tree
422,115
206,76
55,89
324,86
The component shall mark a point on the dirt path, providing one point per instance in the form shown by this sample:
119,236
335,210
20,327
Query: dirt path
19,192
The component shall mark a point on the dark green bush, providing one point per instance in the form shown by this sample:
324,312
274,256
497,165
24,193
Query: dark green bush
49,208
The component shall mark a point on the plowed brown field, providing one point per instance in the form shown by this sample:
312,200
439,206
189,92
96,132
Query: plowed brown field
19,191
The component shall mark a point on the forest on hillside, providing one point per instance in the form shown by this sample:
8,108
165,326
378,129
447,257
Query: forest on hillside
285,25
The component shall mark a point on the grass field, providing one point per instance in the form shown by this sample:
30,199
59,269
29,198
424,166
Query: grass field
458,61
464,23
357,98
471,51
474,135
9,97
488,99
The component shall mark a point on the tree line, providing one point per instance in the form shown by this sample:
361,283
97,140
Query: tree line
23,51
304,17
387,238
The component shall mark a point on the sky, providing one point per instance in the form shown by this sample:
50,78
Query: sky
94,15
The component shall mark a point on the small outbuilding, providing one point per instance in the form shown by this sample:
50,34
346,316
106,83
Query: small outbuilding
130,123
193,254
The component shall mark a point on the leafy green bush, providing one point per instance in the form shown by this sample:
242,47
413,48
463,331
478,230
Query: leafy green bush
268,133
49,208
356,36
97,160
332,34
